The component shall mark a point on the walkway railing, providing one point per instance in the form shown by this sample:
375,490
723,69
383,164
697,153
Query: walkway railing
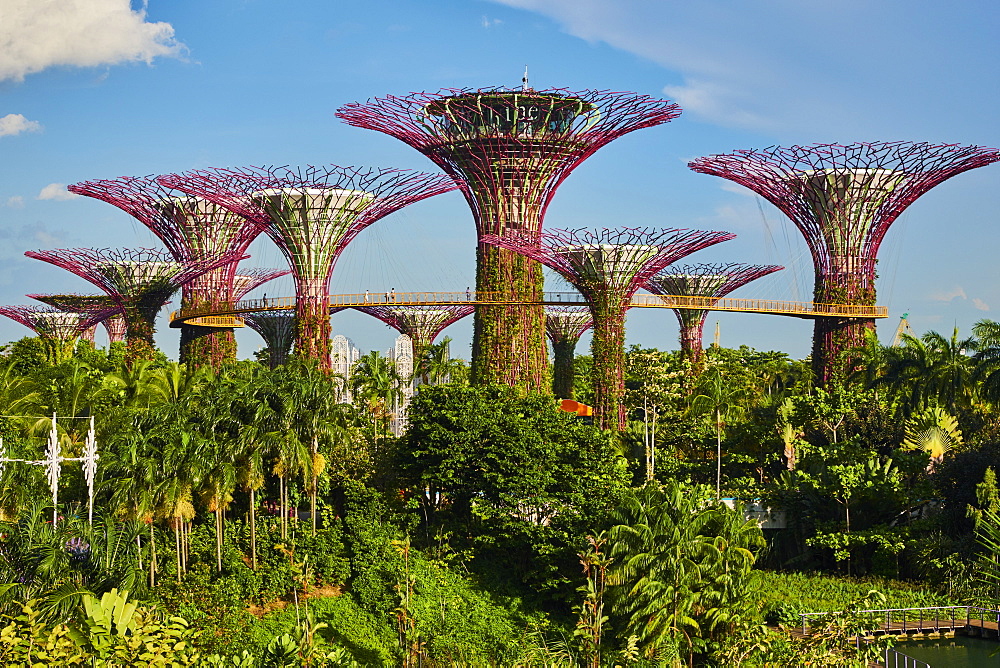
892,658
769,306
935,619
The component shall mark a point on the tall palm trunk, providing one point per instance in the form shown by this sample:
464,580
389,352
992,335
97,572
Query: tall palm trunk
152,556
312,491
253,529
218,536
718,454
281,507
177,545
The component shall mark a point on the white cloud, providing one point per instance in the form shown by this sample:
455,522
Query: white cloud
804,70
37,34
488,23
15,202
947,295
57,192
714,102
15,124
980,304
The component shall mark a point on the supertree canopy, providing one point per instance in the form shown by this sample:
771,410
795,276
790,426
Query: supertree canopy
277,328
608,267
508,150
193,229
139,282
88,305
702,280
421,323
564,326
312,214
843,200
58,329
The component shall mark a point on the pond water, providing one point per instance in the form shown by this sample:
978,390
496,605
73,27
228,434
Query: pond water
958,652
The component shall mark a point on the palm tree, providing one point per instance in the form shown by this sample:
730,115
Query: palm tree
930,370
437,365
721,402
679,562
987,359
376,382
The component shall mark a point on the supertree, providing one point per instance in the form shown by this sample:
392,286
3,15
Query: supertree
421,323
608,266
88,305
564,326
192,229
312,213
139,282
843,200
508,150
57,329
277,328
702,280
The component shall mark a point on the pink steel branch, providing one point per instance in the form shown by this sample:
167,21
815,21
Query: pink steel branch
843,200
247,280
508,150
608,266
138,281
311,214
703,280
191,228
421,323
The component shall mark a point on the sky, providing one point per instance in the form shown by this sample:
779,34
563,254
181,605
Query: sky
93,89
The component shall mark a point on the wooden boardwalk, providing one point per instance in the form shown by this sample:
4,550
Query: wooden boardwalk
913,623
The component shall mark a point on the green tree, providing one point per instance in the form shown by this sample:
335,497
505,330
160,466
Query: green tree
680,567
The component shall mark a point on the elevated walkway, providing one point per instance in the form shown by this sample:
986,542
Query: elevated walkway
231,312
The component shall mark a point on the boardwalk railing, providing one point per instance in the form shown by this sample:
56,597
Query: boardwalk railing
894,659
919,620
770,306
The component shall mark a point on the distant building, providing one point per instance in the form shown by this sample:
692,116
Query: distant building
402,356
343,355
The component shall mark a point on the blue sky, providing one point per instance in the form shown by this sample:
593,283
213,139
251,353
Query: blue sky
100,89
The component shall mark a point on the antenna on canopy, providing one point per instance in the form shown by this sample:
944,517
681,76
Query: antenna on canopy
524,81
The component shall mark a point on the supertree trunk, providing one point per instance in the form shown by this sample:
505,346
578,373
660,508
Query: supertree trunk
564,325
213,346
563,369
312,316
608,351
277,328
692,334
833,337
508,343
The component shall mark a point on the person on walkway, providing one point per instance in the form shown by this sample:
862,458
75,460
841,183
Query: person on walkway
468,294
393,293
366,296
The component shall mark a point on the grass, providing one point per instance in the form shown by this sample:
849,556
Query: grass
809,592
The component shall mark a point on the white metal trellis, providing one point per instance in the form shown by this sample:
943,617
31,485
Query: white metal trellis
53,466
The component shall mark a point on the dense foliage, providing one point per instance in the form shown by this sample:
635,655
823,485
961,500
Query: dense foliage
251,517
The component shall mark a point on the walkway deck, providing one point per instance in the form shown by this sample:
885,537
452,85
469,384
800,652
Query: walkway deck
230,313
